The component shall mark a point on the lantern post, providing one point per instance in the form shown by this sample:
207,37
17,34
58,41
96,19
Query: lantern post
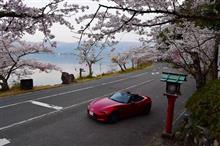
173,82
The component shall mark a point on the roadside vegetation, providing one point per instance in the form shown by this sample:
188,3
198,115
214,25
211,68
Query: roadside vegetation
202,126
15,89
204,107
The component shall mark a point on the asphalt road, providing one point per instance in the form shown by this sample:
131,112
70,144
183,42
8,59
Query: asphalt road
57,117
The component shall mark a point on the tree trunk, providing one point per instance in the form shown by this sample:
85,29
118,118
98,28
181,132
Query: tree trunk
214,70
90,70
122,69
200,80
132,63
4,85
124,65
198,75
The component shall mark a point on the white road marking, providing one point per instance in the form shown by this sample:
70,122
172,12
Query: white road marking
139,75
148,81
71,91
46,105
4,141
114,81
155,73
69,107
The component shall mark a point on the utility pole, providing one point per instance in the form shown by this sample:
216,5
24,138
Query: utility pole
219,61
81,70
100,67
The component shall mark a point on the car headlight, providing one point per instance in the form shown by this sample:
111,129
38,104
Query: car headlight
89,105
104,112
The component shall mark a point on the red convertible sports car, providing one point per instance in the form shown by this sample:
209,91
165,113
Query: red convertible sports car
117,106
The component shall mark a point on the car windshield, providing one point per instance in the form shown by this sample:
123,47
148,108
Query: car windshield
121,97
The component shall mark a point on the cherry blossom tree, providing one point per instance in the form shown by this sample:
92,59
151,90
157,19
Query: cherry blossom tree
14,60
189,47
90,51
137,16
141,55
17,18
136,56
131,15
121,59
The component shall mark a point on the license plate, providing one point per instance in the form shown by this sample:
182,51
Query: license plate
91,113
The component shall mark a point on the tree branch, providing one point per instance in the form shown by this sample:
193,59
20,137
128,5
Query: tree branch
82,31
155,24
125,23
19,15
174,13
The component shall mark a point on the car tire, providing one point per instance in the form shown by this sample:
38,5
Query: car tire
113,118
147,109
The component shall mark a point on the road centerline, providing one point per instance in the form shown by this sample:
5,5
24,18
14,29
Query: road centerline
46,105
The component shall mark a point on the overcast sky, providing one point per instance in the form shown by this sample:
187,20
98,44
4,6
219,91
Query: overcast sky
64,34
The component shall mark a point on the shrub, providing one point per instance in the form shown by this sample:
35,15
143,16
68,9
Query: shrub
204,106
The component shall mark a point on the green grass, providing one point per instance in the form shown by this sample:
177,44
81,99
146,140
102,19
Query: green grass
204,106
15,90
109,74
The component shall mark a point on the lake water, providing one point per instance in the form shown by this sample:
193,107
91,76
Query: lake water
54,77
63,58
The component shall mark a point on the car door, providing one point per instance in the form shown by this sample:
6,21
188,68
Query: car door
138,104
128,109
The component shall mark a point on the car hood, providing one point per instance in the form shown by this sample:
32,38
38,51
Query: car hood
102,103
